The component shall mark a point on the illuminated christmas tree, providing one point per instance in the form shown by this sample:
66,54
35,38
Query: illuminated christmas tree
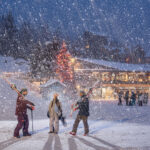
64,63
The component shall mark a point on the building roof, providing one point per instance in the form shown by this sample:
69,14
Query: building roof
118,65
51,82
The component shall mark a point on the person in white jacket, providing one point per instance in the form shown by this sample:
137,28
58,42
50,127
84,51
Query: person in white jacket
55,110
140,99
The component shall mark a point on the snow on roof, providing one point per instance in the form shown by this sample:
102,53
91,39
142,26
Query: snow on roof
8,64
48,42
118,65
52,81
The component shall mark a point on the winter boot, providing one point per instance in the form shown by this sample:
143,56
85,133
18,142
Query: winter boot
50,132
72,133
85,134
17,137
26,134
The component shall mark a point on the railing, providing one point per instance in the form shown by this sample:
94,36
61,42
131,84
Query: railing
125,82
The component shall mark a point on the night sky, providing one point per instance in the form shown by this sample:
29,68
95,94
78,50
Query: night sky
127,21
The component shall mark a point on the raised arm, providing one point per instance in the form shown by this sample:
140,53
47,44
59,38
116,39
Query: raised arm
21,99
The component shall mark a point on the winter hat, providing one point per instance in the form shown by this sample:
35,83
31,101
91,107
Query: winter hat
23,90
56,94
82,93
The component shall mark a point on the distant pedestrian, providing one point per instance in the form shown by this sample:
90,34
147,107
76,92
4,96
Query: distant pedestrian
140,99
120,98
132,99
145,99
127,98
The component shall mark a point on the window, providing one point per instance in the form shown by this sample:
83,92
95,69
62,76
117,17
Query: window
123,77
149,78
106,77
132,77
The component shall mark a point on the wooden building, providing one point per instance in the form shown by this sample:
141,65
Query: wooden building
112,77
51,87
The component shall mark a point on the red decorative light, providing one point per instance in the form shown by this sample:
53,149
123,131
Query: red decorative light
64,69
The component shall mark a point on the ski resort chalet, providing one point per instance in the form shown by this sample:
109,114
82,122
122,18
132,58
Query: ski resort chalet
50,87
112,76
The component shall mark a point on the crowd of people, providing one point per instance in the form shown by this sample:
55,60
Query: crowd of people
55,113
132,98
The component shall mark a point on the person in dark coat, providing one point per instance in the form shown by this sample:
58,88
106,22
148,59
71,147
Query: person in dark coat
120,98
83,106
132,99
21,113
127,98
145,98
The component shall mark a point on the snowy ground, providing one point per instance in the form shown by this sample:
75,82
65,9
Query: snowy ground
118,135
111,127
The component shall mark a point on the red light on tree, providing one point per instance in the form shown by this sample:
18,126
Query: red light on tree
64,69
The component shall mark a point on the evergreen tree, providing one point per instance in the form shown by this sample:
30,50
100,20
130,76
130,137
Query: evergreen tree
64,70
8,32
43,60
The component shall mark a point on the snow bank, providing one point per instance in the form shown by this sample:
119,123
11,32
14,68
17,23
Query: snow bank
8,64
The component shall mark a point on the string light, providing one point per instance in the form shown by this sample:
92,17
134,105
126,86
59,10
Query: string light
64,63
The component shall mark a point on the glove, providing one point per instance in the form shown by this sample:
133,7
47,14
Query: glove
32,107
75,109
13,86
90,89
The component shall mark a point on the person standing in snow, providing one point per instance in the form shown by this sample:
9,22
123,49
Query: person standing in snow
21,113
83,106
127,98
55,111
132,99
145,98
140,99
120,98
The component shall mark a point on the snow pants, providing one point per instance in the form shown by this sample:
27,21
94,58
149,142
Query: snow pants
85,122
23,121
133,101
120,101
127,101
54,123
140,103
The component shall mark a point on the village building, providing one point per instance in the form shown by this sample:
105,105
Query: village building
112,76
51,87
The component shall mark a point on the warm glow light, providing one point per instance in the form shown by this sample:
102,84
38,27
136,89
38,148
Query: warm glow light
73,60
78,86
87,46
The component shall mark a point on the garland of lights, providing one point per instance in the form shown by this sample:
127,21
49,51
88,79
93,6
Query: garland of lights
64,69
